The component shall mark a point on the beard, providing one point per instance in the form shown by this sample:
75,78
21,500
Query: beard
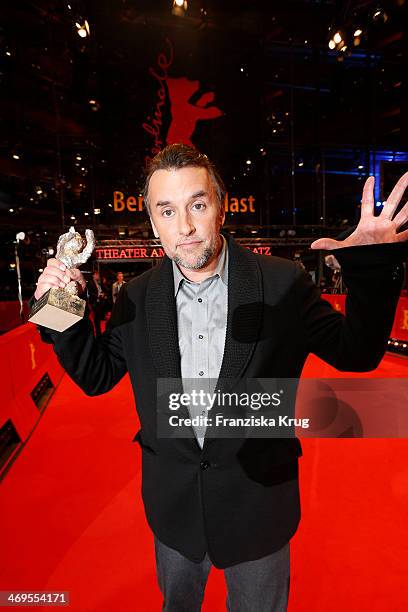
201,260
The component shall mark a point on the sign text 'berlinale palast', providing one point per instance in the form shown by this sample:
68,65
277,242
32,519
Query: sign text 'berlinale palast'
133,203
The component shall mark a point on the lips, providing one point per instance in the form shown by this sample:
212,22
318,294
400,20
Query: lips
191,243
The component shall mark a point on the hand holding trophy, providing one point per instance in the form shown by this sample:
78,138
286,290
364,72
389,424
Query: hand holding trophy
58,306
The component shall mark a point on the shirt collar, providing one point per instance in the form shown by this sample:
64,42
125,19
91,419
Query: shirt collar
221,269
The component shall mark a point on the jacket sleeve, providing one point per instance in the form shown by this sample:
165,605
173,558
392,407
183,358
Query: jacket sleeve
96,365
357,341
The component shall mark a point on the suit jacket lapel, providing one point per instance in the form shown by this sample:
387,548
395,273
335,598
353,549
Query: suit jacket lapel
161,317
245,307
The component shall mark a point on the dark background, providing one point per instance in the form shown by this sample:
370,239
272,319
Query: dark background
314,122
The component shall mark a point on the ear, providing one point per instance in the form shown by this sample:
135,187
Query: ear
155,232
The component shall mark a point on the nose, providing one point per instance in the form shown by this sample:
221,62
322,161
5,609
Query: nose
185,224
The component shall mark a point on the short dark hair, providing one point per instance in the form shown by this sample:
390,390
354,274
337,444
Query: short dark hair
176,156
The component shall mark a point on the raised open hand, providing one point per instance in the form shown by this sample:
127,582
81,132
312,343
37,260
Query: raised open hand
371,229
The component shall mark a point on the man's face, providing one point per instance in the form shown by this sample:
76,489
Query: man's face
119,277
186,215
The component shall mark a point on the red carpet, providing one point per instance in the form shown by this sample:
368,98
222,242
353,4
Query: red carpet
71,515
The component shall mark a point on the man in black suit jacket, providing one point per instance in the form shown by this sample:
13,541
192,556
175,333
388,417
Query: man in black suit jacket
97,291
235,501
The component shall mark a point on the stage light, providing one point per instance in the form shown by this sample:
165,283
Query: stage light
78,157
97,211
300,164
86,214
41,269
11,209
38,191
12,266
72,217
8,53
50,251
179,8
358,32
94,104
332,44
360,167
16,156
337,38
379,14
83,29
248,161
344,47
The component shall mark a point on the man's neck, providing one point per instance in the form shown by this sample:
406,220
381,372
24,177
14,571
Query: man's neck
197,276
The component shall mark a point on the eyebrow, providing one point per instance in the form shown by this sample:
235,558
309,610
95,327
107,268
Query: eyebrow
197,194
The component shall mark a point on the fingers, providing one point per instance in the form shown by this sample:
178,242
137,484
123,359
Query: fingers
395,197
326,244
77,276
402,216
55,263
367,201
54,275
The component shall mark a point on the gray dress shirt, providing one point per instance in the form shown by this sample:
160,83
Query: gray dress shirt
202,324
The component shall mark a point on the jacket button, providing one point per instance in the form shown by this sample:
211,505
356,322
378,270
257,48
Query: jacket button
204,465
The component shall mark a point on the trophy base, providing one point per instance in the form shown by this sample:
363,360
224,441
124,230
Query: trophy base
57,309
